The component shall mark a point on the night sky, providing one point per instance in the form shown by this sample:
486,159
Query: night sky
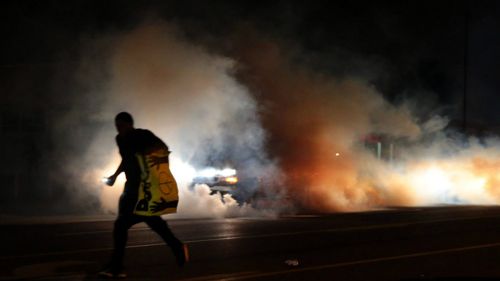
405,48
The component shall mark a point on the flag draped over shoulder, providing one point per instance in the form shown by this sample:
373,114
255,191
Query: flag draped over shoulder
158,193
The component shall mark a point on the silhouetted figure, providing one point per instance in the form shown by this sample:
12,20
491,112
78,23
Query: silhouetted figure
131,141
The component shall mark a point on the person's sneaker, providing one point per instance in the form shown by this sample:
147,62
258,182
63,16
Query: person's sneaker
182,256
112,274
186,252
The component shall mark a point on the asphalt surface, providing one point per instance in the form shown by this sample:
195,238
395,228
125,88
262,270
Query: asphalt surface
443,243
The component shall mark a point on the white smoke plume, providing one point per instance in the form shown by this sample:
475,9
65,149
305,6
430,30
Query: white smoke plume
302,133
189,98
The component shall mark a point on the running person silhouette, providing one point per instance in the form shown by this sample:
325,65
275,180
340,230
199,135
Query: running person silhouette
131,141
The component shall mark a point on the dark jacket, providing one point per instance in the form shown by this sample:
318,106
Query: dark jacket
137,141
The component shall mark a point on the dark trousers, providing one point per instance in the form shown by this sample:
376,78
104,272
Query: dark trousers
126,219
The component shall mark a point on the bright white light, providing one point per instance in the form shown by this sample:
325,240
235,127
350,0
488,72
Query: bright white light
208,172
437,180
182,171
212,172
228,172
432,184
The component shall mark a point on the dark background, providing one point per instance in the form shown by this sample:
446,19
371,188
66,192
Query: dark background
432,52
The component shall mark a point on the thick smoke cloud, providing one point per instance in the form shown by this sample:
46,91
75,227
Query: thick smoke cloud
301,133
189,98
315,123
318,125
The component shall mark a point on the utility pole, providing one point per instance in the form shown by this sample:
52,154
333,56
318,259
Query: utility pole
466,62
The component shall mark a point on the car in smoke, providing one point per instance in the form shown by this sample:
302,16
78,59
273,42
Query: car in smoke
240,185
223,181
260,191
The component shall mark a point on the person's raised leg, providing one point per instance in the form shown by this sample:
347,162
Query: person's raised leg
180,250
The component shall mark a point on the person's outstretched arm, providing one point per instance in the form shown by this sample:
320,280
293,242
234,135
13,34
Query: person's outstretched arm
111,179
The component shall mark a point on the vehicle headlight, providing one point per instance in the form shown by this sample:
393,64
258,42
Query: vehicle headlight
231,180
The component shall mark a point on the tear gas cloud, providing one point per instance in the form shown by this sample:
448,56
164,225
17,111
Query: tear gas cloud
278,120
317,123
188,98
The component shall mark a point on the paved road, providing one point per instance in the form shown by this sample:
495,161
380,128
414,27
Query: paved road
445,243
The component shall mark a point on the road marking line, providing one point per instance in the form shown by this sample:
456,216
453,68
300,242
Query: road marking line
248,275
97,232
221,276
226,238
401,224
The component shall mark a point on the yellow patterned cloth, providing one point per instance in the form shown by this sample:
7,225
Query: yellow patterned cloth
158,193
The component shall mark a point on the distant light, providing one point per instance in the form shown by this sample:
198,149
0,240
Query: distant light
231,180
337,154
228,172
212,172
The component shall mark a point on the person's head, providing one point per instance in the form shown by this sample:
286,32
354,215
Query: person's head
124,123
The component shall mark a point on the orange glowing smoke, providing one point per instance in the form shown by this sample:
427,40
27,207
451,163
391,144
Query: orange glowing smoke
314,124
463,180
